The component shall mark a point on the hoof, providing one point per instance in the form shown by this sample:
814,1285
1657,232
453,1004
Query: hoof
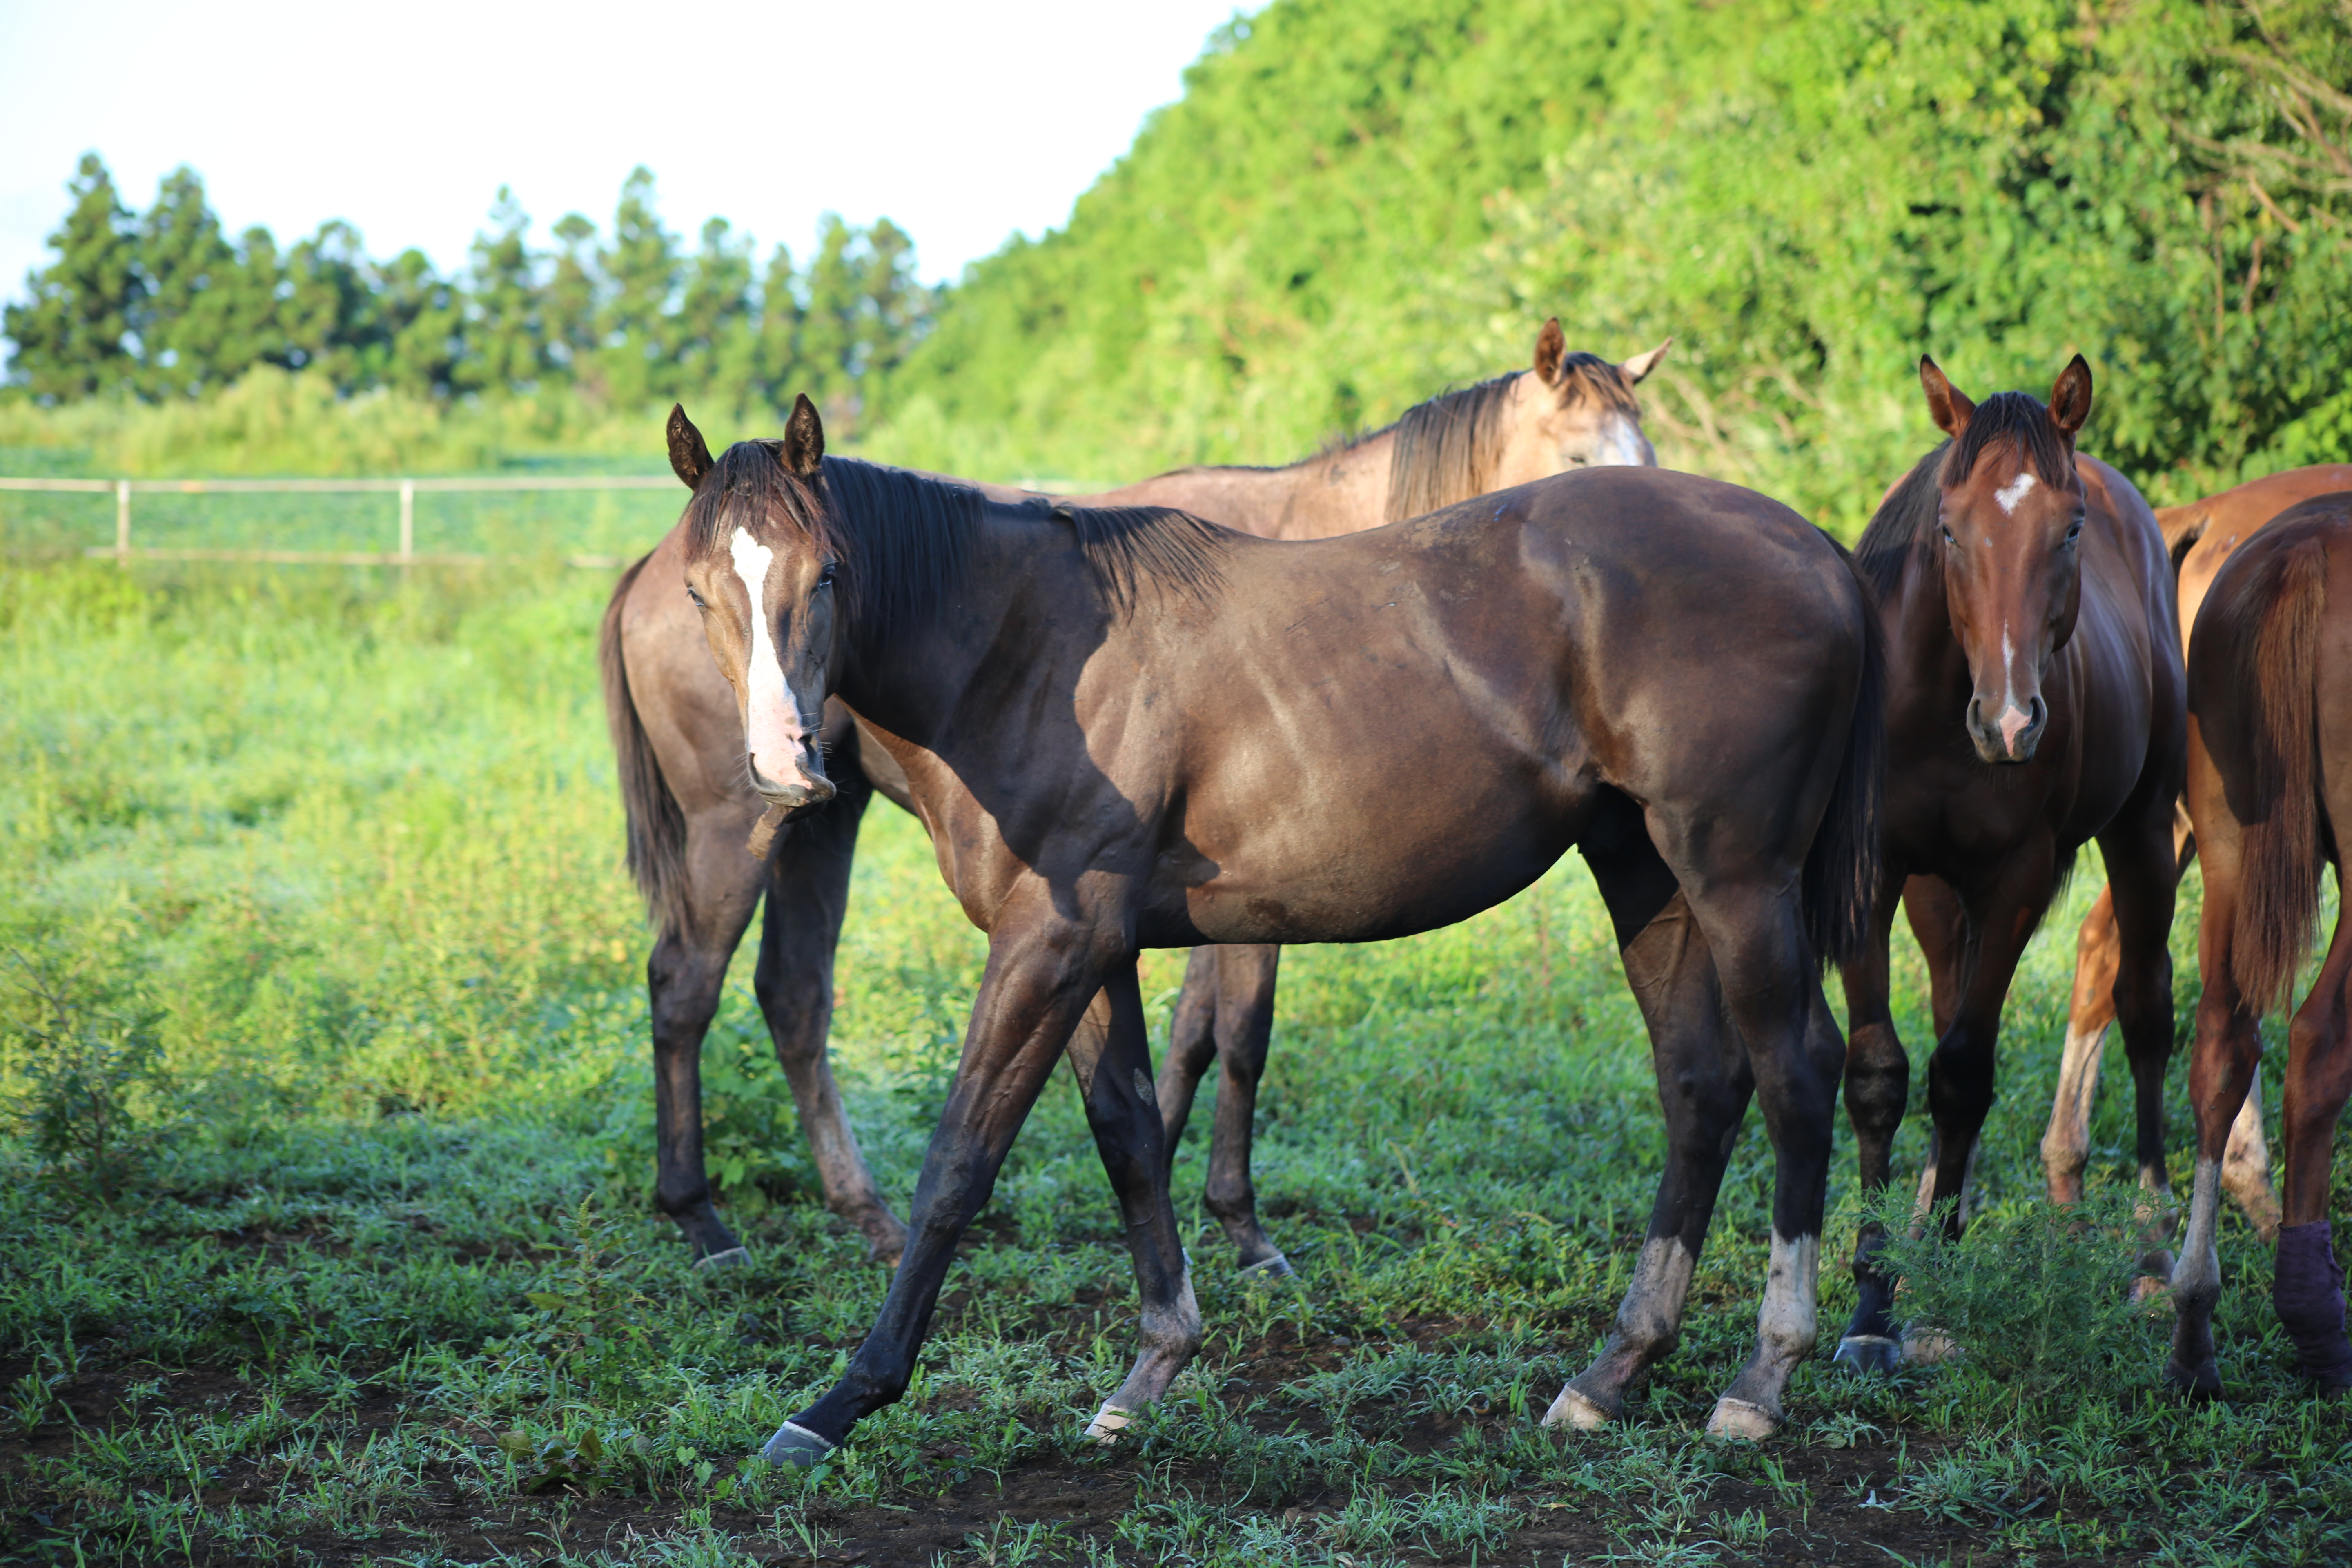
1929,1347
1109,1422
1871,1354
794,1444
2200,1382
1736,1418
733,1257
1581,1412
1267,1270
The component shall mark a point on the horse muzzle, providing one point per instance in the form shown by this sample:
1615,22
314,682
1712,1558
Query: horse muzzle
2006,737
805,790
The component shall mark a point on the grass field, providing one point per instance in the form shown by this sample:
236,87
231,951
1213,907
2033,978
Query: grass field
310,896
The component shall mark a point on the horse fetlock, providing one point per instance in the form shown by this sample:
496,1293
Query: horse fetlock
1874,1355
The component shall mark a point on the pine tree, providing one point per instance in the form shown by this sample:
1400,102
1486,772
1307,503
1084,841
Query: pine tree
713,329
642,270
427,318
506,333
69,333
574,298
182,254
773,375
330,319
831,334
898,309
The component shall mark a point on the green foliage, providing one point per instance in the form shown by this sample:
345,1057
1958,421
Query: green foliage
2035,1297
166,307
585,1335
87,1061
1355,203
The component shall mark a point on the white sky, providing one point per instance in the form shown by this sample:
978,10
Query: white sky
962,123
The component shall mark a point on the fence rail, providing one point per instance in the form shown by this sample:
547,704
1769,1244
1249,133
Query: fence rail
124,551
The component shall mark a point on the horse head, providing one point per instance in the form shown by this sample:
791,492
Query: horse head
762,562
1575,411
2010,509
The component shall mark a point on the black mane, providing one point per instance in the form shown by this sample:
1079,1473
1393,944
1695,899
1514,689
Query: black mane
903,539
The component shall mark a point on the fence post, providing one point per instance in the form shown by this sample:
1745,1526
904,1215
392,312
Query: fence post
122,522
407,521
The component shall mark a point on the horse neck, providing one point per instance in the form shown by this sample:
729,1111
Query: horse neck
1341,491
1024,571
1923,646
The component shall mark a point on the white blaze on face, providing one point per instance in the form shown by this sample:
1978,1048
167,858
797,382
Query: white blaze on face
1619,444
2013,719
2009,494
772,718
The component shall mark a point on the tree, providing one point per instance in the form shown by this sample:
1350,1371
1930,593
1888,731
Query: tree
182,254
426,318
830,334
772,378
329,317
574,298
506,331
70,332
713,331
641,267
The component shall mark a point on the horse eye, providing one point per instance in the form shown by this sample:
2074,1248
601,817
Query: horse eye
2074,530
695,598
1946,533
824,574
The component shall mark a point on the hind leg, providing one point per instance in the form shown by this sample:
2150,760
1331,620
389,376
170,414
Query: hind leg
1192,1045
1245,982
2066,1144
719,889
2143,871
1704,1084
2221,1071
808,896
2307,1290
1877,1089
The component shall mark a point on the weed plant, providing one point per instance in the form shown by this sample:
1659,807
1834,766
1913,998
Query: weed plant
345,847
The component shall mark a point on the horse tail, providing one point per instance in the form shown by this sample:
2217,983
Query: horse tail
2182,526
656,828
1840,889
2276,674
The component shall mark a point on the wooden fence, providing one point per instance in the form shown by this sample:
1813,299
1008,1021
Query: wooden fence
125,549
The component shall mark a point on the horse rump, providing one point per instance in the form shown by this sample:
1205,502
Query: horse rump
1839,888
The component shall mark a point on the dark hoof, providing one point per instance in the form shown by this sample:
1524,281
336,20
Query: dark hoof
796,1445
1874,1355
1267,1270
2202,1382
733,1257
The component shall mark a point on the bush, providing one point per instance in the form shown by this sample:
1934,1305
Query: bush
86,1061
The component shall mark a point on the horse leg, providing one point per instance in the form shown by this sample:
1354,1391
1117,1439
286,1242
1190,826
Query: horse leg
1192,1045
1043,971
2143,871
1940,924
2307,1286
1877,1089
2066,1145
1704,1085
808,895
2246,1165
1960,1071
1775,1003
1245,1025
684,978
1113,1068
2220,1070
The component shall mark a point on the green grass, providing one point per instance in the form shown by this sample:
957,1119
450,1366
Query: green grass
386,1286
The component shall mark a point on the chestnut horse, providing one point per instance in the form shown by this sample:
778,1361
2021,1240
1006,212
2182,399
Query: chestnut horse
1128,728
2034,703
2270,705
690,811
2200,535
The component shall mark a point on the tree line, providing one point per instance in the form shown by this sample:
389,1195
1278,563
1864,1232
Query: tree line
166,304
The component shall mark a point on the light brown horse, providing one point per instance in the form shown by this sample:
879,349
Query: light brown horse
691,811
2270,705
2200,536
1128,728
2034,703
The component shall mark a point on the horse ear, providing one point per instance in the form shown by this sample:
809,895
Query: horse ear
803,438
1949,404
1551,346
2070,400
1636,369
689,460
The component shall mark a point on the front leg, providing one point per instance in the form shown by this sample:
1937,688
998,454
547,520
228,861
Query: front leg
1877,1089
1043,970
1113,1068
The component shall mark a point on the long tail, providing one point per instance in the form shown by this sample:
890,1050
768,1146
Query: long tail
2182,526
656,826
2278,901
1840,880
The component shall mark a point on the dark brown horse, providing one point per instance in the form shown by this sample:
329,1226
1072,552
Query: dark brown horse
2202,536
2270,706
1130,728
2034,704
691,812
